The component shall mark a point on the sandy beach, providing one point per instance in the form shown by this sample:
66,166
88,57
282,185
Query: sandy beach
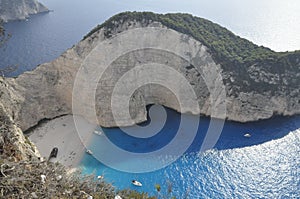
64,134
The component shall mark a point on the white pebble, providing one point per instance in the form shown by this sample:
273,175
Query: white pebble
33,194
58,178
43,178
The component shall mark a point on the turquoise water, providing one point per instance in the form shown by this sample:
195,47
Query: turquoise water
264,166
267,165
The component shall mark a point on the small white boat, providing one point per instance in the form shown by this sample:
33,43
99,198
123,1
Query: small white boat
98,132
89,152
136,183
247,135
100,177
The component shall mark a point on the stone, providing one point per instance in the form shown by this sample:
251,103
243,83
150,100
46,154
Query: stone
33,194
58,178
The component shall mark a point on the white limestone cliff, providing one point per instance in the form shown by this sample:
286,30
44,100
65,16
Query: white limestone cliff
47,91
19,9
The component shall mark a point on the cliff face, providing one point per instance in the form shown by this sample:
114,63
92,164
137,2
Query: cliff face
256,91
19,9
13,144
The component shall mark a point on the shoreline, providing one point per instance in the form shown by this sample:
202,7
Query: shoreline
63,133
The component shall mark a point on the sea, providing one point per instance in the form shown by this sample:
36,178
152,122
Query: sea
266,165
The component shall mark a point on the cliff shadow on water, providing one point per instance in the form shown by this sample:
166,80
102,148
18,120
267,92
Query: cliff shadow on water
232,135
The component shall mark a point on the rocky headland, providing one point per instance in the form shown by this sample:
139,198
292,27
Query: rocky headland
258,82
19,9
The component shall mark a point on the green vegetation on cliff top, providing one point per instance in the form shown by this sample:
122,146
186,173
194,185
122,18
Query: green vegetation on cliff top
227,49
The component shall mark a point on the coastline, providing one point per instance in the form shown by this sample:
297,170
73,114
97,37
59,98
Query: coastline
63,134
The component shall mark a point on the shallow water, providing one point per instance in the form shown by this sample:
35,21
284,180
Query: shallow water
267,165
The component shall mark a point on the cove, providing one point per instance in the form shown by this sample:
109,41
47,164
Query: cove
267,165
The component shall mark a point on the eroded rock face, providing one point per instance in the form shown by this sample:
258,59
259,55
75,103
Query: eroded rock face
13,144
19,9
102,60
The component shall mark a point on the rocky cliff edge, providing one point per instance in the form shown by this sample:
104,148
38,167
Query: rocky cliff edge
19,9
250,92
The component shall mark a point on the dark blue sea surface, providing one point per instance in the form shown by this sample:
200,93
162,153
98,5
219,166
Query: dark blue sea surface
263,166
267,165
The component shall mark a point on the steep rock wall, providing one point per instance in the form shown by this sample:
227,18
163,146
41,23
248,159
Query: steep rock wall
19,9
13,144
46,92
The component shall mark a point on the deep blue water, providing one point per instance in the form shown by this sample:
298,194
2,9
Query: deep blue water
267,165
44,37
264,166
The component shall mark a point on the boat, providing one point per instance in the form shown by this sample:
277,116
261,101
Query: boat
136,183
98,132
89,152
247,135
100,177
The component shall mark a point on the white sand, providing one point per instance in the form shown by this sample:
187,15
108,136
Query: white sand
63,134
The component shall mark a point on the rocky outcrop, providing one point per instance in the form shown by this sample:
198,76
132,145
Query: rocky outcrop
181,70
19,9
14,146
